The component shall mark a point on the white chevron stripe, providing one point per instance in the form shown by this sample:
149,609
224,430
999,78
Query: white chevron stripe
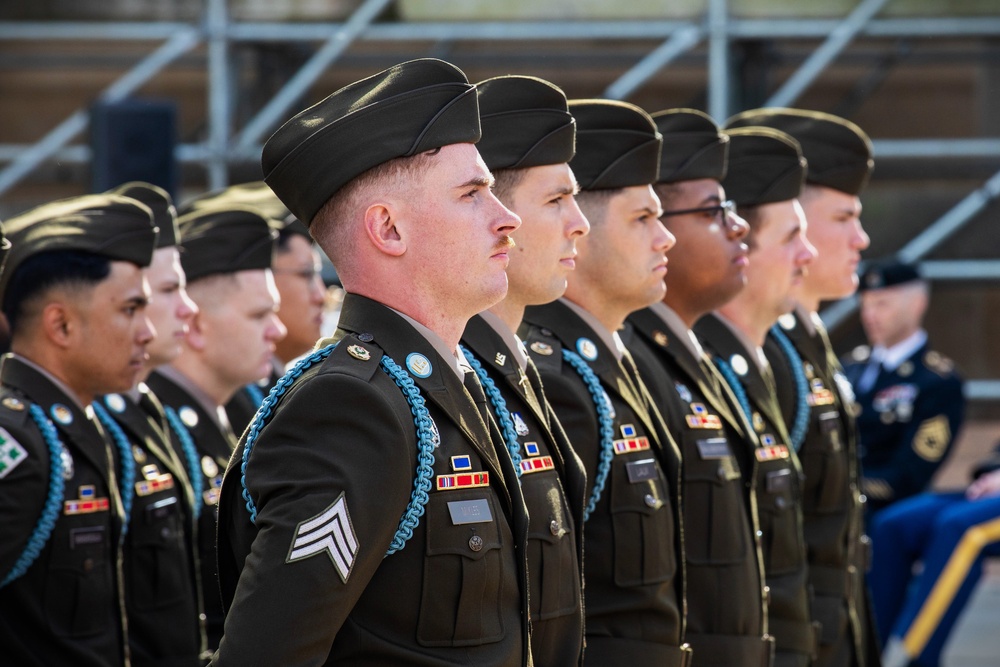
331,532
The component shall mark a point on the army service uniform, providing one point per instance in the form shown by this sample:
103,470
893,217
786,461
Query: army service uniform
726,621
632,538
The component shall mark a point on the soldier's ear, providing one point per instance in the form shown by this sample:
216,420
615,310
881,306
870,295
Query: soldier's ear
381,220
58,324
195,337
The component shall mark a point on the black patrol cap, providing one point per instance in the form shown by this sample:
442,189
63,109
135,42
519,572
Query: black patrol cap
888,273
160,203
765,166
407,109
225,240
617,145
525,122
693,146
111,226
256,195
839,152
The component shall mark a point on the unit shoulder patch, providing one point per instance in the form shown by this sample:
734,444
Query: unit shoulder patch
329,532
12,454
932,438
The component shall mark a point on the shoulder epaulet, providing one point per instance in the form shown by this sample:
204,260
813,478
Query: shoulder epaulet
354,356
939,363
861,353
545,350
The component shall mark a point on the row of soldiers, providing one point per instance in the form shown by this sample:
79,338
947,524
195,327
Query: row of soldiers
524,444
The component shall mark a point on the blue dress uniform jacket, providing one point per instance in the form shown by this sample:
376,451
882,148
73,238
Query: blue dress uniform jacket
214,445
727,609
907,423
832,504
779,500
67,608
633,542
162,596
553,483
339,456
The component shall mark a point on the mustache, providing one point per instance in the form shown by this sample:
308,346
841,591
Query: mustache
505,243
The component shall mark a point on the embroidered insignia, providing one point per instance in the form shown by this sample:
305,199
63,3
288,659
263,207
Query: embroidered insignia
631,445
209,466
11,453
61,414
419,365
461,462
86,502
628,430
660,338
586,348
739,364
702,418
932,438
683,392
541,348
531,449
359,352
500,359
188,416
519,426
153,485
464,481
329,532
14,404
537,465
435,433
139,454
115,403
787,321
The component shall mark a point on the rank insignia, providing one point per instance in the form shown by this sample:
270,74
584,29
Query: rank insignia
461,463
541,348
500,359
115,403
87,502
419,365
67,463
11,453
519,426
462,481
683,392
209,466
138,454
12,403
188,416
628,430
660,338
770,452
629,445
359,352
330,532
932,438
787,321
531,448
158,483
702,418
539,464
586,348
739,364
61,414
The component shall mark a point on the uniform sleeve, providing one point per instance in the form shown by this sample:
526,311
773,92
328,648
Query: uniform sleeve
24,484
938,413
331,475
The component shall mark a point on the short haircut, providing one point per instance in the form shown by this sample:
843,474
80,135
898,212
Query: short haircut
209,291
668,193
39,274
594,203
505,182
754,219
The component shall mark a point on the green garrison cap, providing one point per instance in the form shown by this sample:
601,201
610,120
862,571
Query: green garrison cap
693,146
617,145
256,195
119,228
765,166
838,151
225,240
407,109
159,202
887,273
525,122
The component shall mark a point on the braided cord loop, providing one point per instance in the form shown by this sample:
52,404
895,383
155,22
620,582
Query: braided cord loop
53,500
128,460
801,424
604,423
190,455
734,383
499,409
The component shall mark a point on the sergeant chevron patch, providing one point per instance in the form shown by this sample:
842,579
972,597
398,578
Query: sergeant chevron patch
328,532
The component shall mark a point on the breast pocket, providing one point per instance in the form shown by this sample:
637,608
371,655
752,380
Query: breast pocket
464,573
79,590
782,545
553,569
158,572
642,522
713,502
825,466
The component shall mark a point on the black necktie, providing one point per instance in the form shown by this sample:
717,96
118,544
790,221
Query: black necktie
478,396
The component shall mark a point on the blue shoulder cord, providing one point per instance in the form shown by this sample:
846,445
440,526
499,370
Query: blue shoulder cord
734,383
255,394
53,500
190,455
499,409
128,460
421,419
604,423
801,425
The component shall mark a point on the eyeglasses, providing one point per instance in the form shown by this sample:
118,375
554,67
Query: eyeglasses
719,211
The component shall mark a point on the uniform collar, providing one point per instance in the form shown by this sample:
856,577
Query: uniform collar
891,358
455,360
763,365
610,338
509,338
675,323
216,412
70,394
